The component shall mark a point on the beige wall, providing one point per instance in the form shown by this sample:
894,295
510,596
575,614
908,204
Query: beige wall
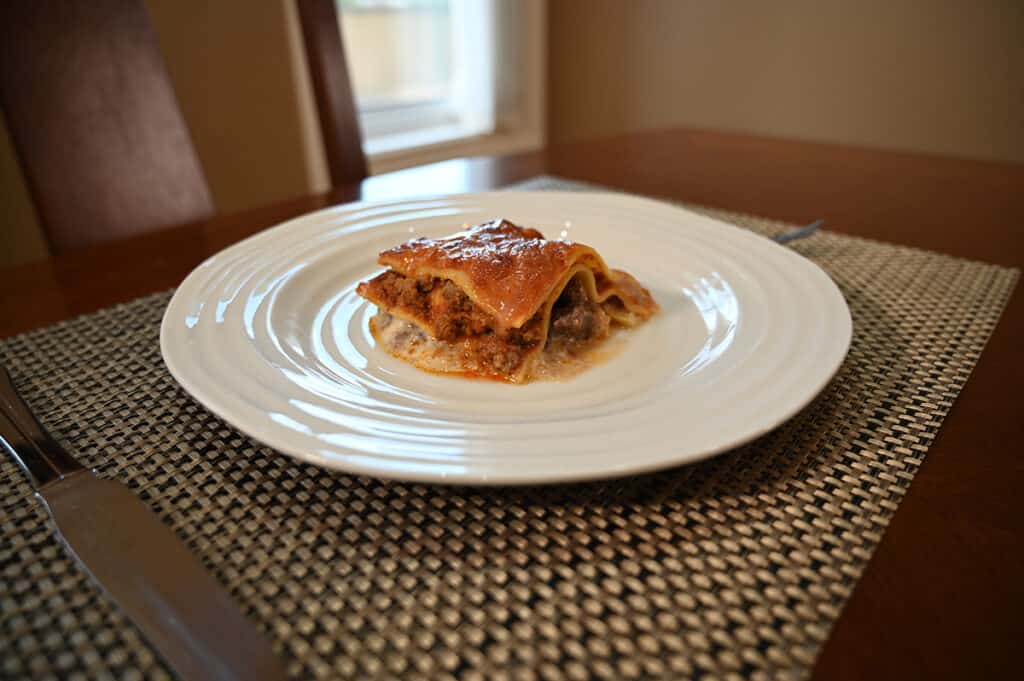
942,76
233,70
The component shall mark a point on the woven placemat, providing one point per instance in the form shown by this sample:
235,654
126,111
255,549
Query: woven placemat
733,568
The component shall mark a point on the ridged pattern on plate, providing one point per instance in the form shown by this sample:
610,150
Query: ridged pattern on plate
270,335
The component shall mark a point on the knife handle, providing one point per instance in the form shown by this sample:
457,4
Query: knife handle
24,437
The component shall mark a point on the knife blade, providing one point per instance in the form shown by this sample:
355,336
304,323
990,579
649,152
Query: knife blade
188,617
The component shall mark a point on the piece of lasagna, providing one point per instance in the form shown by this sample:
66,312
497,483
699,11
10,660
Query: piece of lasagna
499,301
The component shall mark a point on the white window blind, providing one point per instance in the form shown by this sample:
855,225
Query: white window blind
437,75
422,70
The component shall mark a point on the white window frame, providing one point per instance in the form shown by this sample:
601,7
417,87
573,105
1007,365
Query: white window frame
503,130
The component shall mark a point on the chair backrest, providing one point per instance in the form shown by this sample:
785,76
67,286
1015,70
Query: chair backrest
339,124
95,122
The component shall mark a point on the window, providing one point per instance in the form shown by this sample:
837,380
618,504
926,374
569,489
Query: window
438,78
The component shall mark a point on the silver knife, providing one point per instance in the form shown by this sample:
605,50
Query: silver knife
163,588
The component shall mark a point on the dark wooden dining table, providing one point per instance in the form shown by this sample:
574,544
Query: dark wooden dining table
943,594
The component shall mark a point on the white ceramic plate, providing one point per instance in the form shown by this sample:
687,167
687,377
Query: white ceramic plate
270,336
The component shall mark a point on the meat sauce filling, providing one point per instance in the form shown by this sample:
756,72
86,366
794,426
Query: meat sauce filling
576,321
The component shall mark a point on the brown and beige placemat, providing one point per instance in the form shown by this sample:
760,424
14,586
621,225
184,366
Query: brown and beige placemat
732,568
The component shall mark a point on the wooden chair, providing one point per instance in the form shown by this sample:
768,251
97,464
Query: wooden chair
93,117
339,124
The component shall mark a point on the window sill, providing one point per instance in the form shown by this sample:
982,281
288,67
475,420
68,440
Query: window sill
414,139
502,142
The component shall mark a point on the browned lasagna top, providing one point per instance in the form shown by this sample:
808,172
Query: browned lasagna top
507,270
